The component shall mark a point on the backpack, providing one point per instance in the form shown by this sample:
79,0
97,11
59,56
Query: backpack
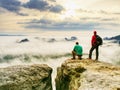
99,40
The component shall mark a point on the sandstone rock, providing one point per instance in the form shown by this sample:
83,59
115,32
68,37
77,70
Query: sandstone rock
87,75
28,77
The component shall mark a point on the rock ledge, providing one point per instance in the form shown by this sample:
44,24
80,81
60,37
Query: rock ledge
28,77
87,75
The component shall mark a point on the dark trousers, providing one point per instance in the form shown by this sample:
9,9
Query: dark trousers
91,50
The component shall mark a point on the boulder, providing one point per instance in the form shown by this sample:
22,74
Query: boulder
87,75
27,77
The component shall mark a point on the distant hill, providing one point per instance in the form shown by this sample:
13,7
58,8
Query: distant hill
113,38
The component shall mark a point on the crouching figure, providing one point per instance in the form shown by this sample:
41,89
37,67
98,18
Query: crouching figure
77,51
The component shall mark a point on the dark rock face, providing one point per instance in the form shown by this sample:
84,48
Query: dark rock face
34,77
87,75
71,39
68,79
115,38
24,40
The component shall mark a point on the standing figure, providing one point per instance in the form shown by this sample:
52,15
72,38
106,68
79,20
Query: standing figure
95,42
77,51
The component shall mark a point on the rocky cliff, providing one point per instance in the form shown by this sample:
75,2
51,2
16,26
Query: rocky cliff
29,77
87,75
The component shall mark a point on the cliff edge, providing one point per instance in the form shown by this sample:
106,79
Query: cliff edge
87,75
27,77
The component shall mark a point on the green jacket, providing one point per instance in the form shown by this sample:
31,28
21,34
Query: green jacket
78,49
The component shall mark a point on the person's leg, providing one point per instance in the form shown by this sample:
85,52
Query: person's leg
97,52
80,57
73,54
90,52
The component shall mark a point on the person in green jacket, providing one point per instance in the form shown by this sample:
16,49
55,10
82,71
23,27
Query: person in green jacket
77,51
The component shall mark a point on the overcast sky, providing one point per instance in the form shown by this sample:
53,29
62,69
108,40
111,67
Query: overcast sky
41,15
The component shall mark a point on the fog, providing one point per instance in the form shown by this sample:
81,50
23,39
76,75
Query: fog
53,49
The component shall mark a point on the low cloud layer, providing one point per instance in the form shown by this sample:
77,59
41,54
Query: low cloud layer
83,24
64,25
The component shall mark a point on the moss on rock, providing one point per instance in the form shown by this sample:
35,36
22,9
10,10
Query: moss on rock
87,75
34,77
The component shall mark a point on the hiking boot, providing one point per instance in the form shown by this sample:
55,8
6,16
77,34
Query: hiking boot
73,58
89,58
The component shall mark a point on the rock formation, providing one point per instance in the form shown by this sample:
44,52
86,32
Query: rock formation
71,39
27,77
24,40
87,75
115,39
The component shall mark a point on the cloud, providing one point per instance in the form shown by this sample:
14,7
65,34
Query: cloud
113,24
53,0
54,25
11,5
98,12
90,18
108,13
85,11
37,4
2,10
56,8
117,13
22,14
43,5
61,26
41,21
47,24
108,26
98,19
108,19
